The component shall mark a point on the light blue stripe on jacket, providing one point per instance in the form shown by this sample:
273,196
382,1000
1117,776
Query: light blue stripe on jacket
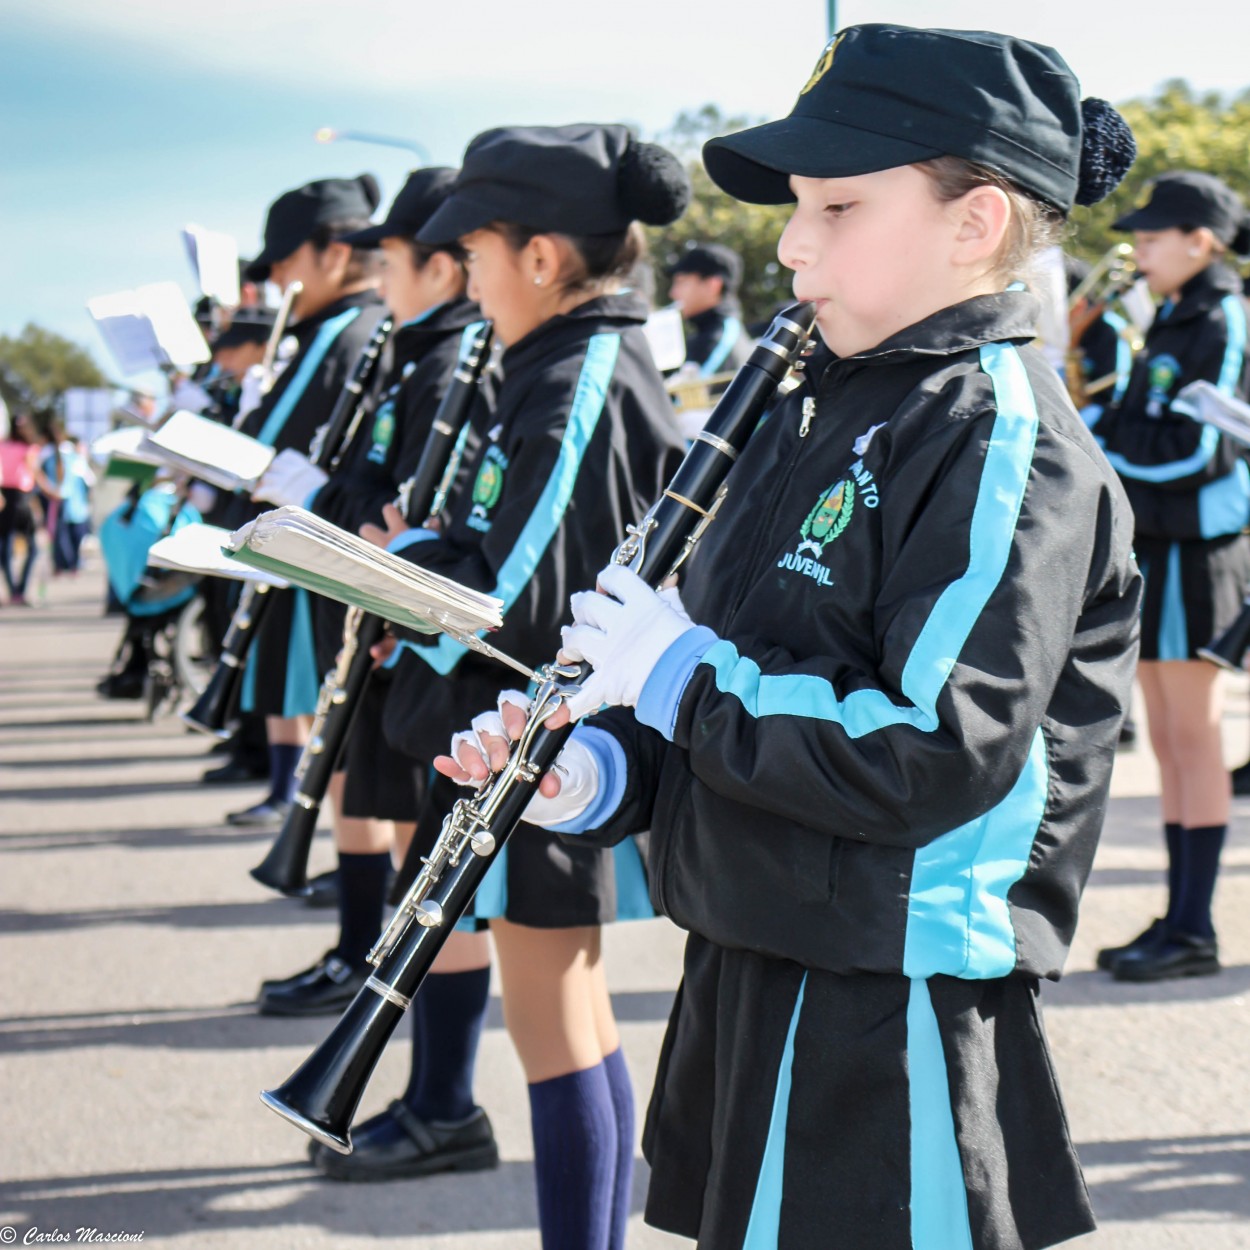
522,562
304,372
999,498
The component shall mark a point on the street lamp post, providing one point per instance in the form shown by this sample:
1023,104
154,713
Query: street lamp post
327,134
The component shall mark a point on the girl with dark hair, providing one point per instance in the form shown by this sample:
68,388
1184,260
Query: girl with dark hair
581,442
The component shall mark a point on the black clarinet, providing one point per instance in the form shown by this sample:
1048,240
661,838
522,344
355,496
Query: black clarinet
322,1095
213,709
285,867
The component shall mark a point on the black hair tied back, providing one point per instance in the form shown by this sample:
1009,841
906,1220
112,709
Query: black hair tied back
1108,150
1240,242
652,185
372,192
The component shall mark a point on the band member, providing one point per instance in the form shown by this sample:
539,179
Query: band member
872,735
333,317
1190,491
581,442
378,795
704,282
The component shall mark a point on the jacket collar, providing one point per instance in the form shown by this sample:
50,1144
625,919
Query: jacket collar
728,307
307,326
441,319
1204,290
1009,316
626,308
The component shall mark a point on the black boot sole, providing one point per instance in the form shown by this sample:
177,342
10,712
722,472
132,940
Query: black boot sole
1175,973
337,1167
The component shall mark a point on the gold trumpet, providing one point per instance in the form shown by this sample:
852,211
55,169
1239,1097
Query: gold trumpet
1106,283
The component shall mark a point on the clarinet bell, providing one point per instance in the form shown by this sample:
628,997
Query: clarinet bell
285,868
1228,651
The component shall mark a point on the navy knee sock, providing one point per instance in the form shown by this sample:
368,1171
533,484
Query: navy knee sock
1174,835
362,897
283,758
622,1091
574,1127
1202,866
451,1009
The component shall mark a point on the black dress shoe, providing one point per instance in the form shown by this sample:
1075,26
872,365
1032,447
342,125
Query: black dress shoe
1241,780
232,772
299,978
396,1145
322,890
266,815
1178,955
1151,936
125,685
332,985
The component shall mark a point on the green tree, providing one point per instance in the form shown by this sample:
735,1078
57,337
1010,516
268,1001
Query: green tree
1177,128
38,366
751,230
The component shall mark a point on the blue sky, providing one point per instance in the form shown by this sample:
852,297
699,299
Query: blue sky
122,122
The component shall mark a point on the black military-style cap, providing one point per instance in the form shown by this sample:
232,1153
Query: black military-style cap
295,216
418,199
882,96
248,325
1189,199
710,260
580,179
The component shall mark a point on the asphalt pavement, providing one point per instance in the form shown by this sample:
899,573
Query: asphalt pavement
132,941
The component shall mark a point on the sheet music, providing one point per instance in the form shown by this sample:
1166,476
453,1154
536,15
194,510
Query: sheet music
320,557
666,337
213,452
215,259
149,328
197,548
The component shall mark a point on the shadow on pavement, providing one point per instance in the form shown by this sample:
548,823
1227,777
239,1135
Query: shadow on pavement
235,1026
166,1203
180,835
1089,988
1154,1178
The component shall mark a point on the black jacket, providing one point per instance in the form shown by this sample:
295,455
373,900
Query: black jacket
329,344
892,750
419,361
580,445
716,340
1184,480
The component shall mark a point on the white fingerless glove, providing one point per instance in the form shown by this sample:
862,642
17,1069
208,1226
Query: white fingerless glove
575,767
622,637
290,479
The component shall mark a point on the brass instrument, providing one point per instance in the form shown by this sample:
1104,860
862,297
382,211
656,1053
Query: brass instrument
1106,283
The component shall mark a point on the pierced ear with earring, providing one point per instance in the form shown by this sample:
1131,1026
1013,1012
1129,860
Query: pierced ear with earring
538,280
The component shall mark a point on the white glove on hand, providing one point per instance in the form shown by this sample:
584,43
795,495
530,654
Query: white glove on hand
575,767
622,637
290,479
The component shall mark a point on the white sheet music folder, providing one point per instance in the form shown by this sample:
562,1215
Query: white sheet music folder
320,557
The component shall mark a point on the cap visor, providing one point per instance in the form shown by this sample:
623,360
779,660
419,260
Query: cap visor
457,216
755,165
372,236
1147,217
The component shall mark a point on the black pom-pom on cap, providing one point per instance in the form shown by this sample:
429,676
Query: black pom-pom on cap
371,190
1108,151
652,185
